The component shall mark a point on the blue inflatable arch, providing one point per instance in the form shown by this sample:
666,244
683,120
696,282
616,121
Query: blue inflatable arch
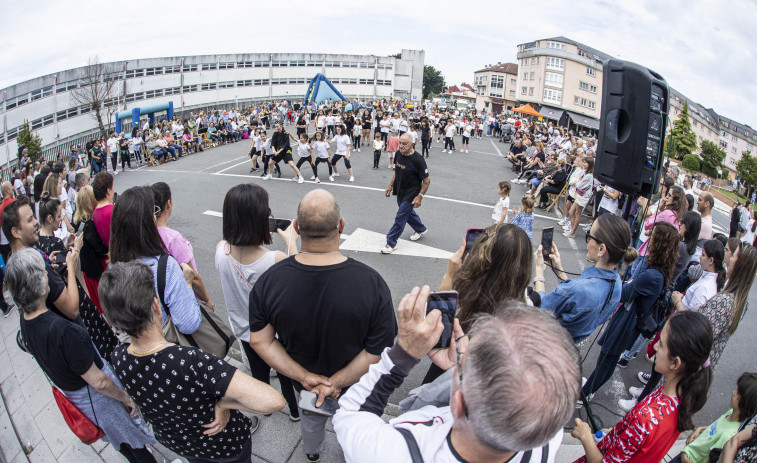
320,90
135,113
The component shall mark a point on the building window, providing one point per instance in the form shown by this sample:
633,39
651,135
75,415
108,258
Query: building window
733,137
512,93
723,145
733,150
533,76
533,60
555,63
153,71
244,83
530,90
209,67
576,100
244,64
553,79
556,45
226,66
228,84
552,96
592,105
587,86
525,76
189,68
591,71
211,86
524,90
513,82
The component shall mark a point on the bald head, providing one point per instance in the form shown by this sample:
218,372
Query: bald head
318,215
7,189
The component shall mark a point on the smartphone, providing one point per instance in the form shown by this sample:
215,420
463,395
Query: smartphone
547,233
276,224
115,198
308,400
470,237
60,258
446,303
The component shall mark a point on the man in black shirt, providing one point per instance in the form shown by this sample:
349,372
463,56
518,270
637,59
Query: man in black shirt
409,183
517,155
280,143
333,315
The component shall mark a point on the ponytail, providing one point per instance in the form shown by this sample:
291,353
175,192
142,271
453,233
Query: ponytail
690,339
715,249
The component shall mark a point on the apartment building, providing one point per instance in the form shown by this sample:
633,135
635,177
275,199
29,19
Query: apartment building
562,79
496,87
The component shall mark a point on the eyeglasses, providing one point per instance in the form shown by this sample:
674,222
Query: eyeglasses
588,236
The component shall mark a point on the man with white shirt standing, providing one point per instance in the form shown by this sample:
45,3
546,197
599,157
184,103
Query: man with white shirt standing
113,146
705,201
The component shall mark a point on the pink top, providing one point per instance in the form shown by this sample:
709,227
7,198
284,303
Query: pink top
667,215
393,144
178,246
101,217
186,137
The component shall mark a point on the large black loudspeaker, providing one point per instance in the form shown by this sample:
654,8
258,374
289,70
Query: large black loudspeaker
632,127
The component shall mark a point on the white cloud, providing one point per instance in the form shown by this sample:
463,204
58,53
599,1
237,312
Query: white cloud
704,48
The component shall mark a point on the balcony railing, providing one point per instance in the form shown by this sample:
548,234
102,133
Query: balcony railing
590,62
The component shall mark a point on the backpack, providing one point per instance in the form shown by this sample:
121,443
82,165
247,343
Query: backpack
651,323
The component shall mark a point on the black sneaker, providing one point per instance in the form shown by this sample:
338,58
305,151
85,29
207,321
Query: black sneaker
622,363
313,457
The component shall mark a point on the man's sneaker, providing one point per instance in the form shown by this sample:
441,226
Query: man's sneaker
313,457
336,174
263,174
622,363
254,169
294,417
644,377
255,424
278,172
268,177
331,178
352,179
317,180
387,249
626,405
635,391
416,236
300,180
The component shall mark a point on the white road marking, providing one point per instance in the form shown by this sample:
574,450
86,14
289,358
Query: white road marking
359,187
230,167
367,241
213,213
224,162
496,148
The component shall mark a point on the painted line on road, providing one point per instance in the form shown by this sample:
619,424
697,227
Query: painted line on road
359,187
495,147
222,163
230,167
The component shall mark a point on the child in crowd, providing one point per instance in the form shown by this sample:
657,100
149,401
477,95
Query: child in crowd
357,133
392,145
525,217
378,145
704,439
324,154
503,203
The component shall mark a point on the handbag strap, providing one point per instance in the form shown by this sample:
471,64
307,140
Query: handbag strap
227,251
412,445
161,274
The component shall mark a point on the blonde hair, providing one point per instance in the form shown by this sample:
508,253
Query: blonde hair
85,204
528,204
51,185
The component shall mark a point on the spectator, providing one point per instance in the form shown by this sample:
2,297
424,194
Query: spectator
113,146
742,448
553,183
178,246
584,190
688,230
508,400
711,281
734,224
102,187
241,254
71,363
94,253
323,342
745,215
671,208
705,203
135,236
751,227
191,398
584,303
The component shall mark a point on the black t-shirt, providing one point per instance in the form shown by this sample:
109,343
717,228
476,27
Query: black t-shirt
409,172
176,390
349,122
280,140
324,315
366,122
62,349
39,184
517,150
540,156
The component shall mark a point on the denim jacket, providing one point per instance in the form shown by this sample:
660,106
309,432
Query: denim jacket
579,303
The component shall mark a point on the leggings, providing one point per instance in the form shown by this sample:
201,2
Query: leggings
114,160
449,141
136,455
266,158
337,157
425,143
261,371
384,138
376,158
356,141
318,161
304,160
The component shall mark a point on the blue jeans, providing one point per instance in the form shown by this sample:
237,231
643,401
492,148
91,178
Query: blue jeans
630,353
602,372
405,215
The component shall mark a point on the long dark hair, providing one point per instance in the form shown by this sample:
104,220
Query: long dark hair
161,194
663,249
615,234
690,339
742,277
693,222
503,249
133,233
714,249
245,216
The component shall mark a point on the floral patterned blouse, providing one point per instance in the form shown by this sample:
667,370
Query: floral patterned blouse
718,311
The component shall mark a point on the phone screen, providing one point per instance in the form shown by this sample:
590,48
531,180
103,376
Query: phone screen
60,258
276,224
446,303
309,399
470,237
546,241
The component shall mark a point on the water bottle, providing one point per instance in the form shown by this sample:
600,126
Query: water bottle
598,436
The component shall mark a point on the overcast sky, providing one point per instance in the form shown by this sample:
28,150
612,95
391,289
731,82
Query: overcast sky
704,49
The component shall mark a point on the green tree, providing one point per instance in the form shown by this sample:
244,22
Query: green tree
685,139
712,158
31,140
691,162
433,82
747,169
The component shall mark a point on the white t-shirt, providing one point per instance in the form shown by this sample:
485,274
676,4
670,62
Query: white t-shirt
303,149
329,120
321,121
384,124
468,129
113,144
266,148
322,148
378,144
342,143
749,234
607,203
499,209
450,131
413,134
19,186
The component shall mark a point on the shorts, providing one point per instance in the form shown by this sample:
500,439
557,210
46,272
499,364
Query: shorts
581,201
286,156
571,199
254,153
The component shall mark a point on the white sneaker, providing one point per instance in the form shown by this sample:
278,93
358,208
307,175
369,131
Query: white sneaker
467,151
387,249
267,177
352,179
318,180
635,391
115,172
312,177
416,236
644,377
336,174
300,180
444,151
626,405
331,178
562,221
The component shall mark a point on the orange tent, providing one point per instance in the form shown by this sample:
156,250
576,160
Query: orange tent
527,109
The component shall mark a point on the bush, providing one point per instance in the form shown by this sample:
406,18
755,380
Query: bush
691,162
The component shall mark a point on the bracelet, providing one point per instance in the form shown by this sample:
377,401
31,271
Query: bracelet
539,280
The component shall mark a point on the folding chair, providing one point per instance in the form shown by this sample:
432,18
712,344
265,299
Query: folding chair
149,158
563,194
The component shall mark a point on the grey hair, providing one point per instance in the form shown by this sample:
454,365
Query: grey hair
26,276
126,291
521,377
318,218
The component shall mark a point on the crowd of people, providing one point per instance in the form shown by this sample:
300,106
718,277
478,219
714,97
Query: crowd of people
97,281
